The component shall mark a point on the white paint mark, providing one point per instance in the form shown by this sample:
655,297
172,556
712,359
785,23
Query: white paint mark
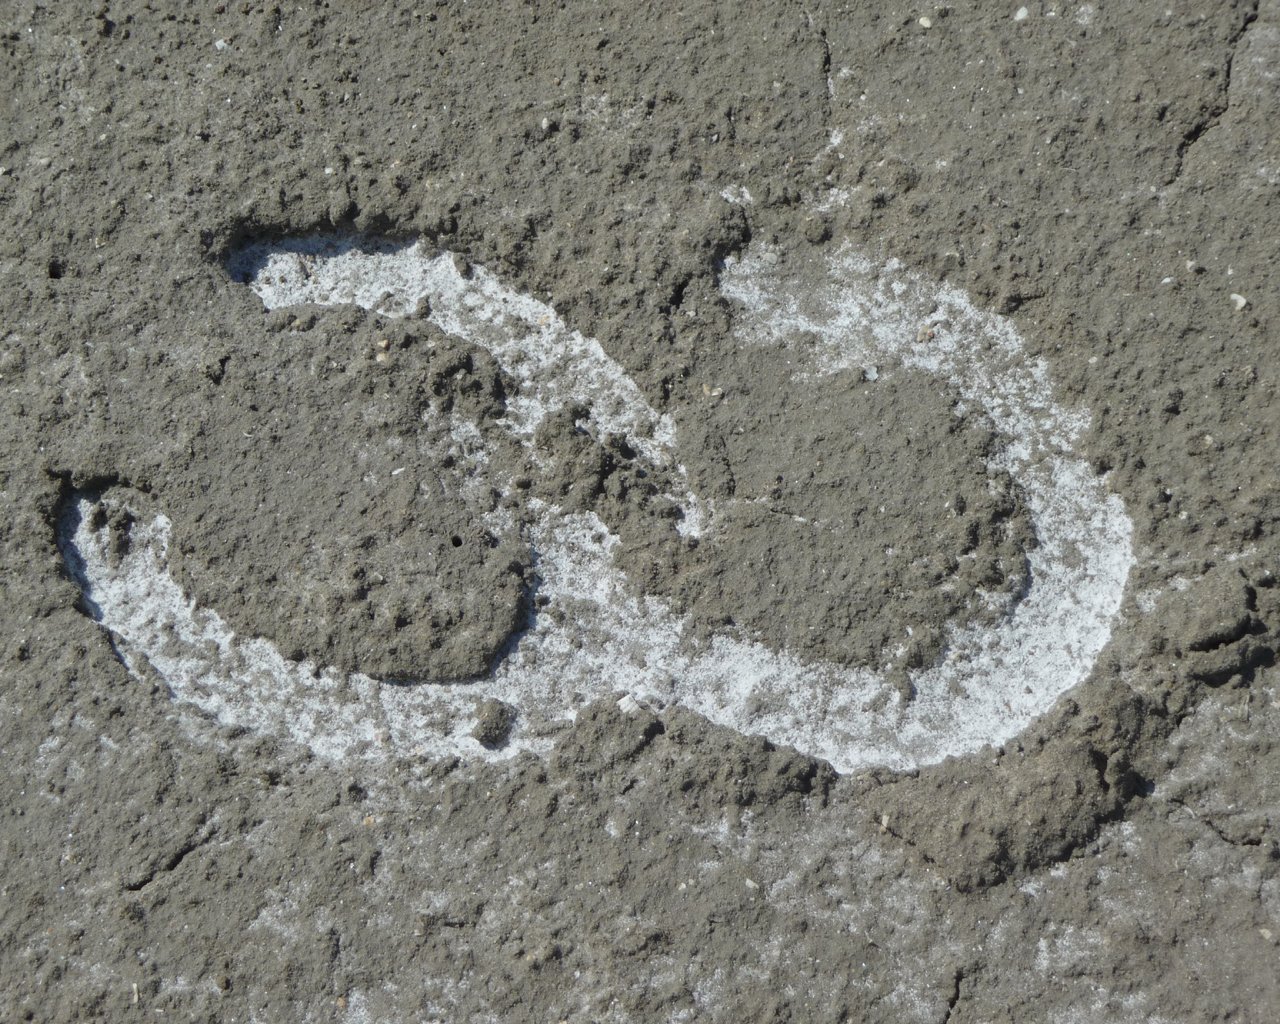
554,365
594,636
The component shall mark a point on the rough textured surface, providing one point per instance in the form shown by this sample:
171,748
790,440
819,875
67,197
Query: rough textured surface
1106,174
324,503
867,506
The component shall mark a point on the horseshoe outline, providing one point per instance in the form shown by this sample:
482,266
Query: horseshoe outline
991,684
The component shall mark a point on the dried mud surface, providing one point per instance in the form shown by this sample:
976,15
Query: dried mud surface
1106,175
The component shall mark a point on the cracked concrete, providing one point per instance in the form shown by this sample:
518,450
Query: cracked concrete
1214,116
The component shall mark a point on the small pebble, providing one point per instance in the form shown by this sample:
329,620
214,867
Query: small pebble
494,721
1239,300
1020,14
629,705
926,23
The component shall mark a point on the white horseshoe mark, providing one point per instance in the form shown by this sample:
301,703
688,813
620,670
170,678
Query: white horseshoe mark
990,685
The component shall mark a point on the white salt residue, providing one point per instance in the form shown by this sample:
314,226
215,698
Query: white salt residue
248,682
739,195
555,365
993,681
592,635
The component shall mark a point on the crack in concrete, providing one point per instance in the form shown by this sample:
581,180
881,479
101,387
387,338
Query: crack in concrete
828,86
1217,830
1198,130
171,863
954,998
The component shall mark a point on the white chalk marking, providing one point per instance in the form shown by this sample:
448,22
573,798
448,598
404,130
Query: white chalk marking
595,636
